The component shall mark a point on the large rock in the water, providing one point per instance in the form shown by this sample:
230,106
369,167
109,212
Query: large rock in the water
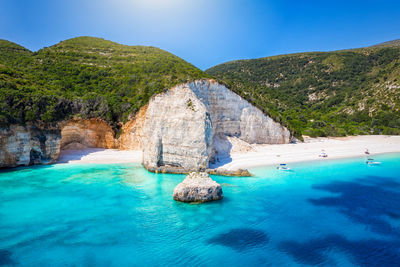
198,187
184,124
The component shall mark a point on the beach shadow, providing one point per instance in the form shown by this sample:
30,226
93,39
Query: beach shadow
221,161
222,153
370,252
369,201
67,155
241,239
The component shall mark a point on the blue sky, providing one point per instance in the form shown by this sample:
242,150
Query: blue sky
205,32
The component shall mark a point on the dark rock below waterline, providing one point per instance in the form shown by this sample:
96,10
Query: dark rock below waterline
224,172
219,171
198,187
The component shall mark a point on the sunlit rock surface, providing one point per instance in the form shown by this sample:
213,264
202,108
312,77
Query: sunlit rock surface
89,133
132,134
177,131
198,187
184,125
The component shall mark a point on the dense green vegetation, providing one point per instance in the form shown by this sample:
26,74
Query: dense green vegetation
318,94
323,94
84,77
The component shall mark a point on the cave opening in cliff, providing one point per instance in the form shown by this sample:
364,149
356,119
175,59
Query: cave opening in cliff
83,134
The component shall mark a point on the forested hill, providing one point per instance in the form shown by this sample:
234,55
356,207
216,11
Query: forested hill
324,93
84,77
337,93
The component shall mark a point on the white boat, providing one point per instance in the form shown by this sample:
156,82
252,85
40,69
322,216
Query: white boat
283,167
372,162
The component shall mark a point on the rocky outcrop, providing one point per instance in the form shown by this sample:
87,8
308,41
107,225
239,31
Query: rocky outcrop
183,126
28,145
198,187
177,131
33,144
131,136
87,133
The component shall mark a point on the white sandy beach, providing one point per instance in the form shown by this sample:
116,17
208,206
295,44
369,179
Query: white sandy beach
258,155
336,148
99,156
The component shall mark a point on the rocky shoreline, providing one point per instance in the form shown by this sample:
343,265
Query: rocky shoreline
218,171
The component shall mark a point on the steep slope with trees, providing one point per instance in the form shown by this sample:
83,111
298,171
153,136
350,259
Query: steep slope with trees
336,93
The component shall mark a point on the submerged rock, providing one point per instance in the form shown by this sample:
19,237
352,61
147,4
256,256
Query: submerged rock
198,187
225,172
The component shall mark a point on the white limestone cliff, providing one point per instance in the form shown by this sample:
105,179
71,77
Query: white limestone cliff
183,126
177,131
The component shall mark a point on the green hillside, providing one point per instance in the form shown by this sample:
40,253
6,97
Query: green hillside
319,94
84,77
326,93
393,43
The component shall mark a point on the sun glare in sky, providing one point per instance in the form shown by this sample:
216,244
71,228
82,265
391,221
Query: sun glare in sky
205,32
159,4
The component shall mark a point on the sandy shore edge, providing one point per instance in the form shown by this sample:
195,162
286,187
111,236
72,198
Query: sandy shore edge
99,156
257,155
335,148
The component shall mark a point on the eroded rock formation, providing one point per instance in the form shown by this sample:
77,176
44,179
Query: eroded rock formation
181,130
198,187
79,133
177,131
131,137
184,125
28,145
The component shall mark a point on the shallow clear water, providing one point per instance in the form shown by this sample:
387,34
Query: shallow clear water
338,212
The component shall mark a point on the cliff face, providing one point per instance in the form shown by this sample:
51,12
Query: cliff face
177,131
132,134
28,145
231,115
184,126
181,130
86,133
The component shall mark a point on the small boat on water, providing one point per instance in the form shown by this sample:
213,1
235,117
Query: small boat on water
371,161
283,167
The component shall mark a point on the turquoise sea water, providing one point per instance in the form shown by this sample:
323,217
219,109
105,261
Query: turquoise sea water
330,213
